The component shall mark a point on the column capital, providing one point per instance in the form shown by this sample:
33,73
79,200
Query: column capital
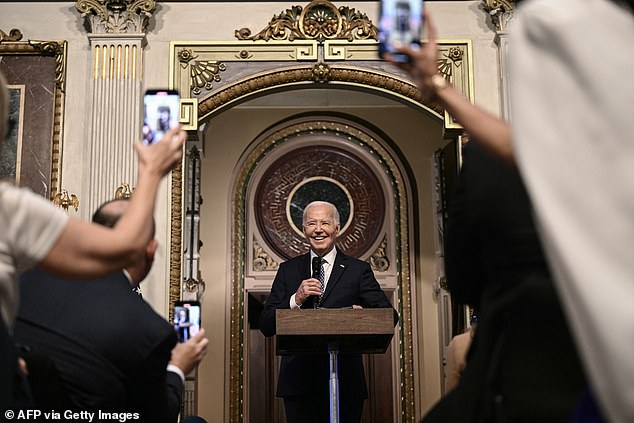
116,16
501,12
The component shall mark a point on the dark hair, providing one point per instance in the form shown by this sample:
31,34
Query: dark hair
108,219
104,218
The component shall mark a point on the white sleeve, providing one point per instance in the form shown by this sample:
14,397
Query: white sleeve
34,227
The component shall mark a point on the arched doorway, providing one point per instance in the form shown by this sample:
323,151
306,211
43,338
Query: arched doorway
219,77
294,162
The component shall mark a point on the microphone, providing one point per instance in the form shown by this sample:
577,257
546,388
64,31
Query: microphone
316,267
316,271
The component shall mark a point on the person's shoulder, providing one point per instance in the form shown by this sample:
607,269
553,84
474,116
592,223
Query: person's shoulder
22,202
294,261
351,264
349,260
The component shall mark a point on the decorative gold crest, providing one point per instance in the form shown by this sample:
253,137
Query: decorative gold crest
64,200
319,20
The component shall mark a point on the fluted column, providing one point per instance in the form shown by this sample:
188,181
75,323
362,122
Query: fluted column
501,12
117,33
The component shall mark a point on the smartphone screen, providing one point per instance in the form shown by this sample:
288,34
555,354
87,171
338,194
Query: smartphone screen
400,25
160,113
186,319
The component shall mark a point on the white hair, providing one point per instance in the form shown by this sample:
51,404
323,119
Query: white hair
335,212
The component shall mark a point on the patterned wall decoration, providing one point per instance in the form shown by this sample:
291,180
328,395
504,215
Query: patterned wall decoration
318,172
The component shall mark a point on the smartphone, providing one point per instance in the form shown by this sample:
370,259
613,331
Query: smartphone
400,25
160,113
186,319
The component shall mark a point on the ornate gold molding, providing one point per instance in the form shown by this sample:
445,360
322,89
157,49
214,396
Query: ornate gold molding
319,20
262,261
318,73
501,12
13,35
176,236
64,200
55,49
116,16
58,50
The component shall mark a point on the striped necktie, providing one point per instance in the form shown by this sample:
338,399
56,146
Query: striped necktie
322,278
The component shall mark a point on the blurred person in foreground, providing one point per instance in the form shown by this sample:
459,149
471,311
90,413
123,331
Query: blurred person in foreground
34,232
573,141
113,352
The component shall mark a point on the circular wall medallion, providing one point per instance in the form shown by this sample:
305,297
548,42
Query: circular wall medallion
324,189
319,172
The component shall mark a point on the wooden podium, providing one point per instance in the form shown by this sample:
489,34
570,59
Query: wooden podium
333,331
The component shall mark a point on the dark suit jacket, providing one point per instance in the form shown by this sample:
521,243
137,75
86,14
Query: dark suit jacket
522,365
351,282
109,346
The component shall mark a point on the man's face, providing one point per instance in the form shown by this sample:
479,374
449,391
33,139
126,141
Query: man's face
320,229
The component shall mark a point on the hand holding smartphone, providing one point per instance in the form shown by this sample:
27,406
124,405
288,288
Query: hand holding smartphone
161,113
400,25
186,319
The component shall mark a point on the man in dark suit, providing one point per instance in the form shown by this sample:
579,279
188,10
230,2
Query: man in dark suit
522,365
348,282
111,350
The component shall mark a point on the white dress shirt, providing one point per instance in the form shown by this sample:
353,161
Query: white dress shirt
329,261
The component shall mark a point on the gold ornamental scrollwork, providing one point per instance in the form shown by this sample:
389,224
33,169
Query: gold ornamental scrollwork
319,20
13,35
204,73
116,16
